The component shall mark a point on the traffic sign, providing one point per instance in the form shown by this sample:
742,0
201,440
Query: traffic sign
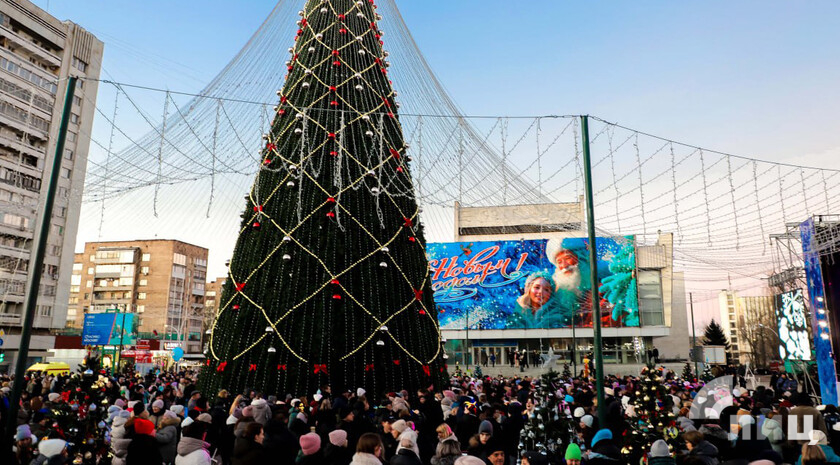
1,342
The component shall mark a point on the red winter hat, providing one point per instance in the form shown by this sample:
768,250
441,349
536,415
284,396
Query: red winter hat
142,426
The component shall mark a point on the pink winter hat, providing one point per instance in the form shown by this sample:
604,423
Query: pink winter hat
338,437
310,443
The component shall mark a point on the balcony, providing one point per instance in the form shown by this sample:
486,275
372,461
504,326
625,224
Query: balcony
32,49
17,145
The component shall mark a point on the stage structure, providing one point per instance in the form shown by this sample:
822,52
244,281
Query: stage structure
821,252
329,282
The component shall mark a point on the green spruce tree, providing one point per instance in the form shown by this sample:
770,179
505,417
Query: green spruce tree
329,281
714,335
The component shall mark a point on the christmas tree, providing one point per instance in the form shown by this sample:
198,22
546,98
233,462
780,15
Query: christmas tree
547,430
686,373
329,282
653,415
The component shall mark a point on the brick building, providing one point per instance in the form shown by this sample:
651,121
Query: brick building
162,281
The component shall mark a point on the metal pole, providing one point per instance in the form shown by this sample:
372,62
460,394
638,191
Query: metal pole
693,336
574,347
37,262
593,268
467,341
122,335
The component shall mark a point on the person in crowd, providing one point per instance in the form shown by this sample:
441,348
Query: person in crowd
405,453
604,450
167,436
337,452
143,448
119,439
817,440
573,454
369,450
478,443
248,449
660,454
192,449
23,447
310,450
156,412
701,449
812,455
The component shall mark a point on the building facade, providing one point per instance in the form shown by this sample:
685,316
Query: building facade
37,55
661,294
161,281
211,301
750,325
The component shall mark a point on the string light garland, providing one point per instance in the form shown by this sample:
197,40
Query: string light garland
295,253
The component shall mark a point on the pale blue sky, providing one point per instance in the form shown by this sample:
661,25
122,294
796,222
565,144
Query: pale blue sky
758,78
755,78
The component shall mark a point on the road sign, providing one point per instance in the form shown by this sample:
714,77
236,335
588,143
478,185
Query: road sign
1,342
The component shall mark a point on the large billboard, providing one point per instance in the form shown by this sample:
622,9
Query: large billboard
793,326
103,329
533,283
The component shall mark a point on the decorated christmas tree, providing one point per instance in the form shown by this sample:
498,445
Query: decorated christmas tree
548,429
653,417
329,282
687,373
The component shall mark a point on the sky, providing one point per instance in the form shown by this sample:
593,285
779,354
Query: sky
755,78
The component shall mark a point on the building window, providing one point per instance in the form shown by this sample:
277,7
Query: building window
74,118
79,64
88,284
141,295
77,100
144,270
144,282
68,154
651,308
180,259
147,257
71,136
66,173
141,308
77,267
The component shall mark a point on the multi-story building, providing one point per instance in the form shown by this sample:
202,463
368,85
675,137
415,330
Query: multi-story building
211,300
37,55
661,295
750,325
161,281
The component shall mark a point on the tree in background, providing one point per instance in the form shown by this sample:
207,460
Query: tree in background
713,335
329,281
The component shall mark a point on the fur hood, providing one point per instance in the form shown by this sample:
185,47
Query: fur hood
361,458
166,421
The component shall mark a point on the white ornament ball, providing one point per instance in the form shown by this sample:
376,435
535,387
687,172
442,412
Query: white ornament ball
287,257
324,10
369,133
360,87
361,52
319,36
290,184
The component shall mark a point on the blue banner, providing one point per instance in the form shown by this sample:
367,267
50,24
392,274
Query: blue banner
102,329
533,283
819,319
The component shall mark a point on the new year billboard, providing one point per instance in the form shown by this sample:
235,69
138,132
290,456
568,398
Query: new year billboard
533,283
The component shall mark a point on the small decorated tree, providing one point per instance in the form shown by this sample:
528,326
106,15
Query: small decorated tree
687,373
653,416
547,429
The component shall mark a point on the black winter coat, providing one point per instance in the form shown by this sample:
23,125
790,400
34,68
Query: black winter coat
248,452
143,450
406,457
335,455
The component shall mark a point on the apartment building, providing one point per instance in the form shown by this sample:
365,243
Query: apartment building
750,325
161,281
212,300
37,55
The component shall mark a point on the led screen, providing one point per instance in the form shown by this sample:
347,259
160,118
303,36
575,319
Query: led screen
793,326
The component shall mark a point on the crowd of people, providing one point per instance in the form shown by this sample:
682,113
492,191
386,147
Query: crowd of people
96,417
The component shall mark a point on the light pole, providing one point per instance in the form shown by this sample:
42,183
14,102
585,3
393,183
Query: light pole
177,331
